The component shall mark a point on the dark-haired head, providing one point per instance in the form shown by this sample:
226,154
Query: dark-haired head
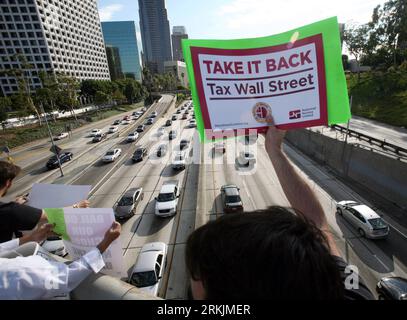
8,172
268,254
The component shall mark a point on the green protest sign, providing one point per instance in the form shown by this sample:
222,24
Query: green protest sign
297,76
56,216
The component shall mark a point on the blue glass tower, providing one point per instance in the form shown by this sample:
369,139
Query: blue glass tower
122,35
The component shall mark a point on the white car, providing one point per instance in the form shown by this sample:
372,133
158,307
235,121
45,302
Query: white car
112,155
160,132
192,124
126,122
113,129
368,223
95,132
132,137
179,161
149,268
246,158
61,136
167,200
219,147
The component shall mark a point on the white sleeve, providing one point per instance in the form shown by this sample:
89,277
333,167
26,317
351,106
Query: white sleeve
9,245
34,277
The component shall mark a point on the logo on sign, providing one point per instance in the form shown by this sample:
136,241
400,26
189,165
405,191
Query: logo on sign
295,114
260,112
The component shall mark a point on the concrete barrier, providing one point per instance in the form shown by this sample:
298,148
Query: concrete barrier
378,173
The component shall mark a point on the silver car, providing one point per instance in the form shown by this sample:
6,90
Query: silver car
368,223
127,205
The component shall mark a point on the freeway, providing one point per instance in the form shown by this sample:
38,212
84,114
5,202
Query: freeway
200,199
85,153
391,134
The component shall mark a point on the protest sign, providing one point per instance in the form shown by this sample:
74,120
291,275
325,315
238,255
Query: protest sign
297,76
56,195
83,229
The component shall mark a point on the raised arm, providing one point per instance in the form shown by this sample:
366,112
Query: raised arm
297,191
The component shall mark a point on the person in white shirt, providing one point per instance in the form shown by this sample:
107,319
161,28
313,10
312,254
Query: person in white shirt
35,278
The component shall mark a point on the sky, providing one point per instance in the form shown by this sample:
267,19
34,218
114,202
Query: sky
234,19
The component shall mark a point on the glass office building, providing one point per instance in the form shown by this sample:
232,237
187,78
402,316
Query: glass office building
121,35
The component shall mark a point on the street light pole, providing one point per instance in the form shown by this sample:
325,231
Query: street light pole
52,141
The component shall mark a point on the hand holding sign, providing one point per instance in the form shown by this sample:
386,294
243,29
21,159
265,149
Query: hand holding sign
274,137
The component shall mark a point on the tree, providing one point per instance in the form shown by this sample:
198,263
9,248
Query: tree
118,96
101,98
388,39
22,75
356,39
5,105
48,94
68,95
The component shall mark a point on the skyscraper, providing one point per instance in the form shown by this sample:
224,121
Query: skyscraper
178,33
122,35
155,34
62,36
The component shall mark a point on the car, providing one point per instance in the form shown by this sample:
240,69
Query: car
231,200
174,117
168,123
186,112
172,134
161,131
246,158
136,117
133,136
61,136
99,137
63,157
178,111
144,109
141,128
153,114
392,288
184,117
219,147
126,122
149,122
167,200
113,129
149,269
139,154
368,223
250,138
126,118
184,143
162,150
179,160
112,155
192,124
117,122
95,132
127,205
137,113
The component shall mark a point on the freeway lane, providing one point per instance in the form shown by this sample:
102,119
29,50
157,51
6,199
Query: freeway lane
93,174
150,174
